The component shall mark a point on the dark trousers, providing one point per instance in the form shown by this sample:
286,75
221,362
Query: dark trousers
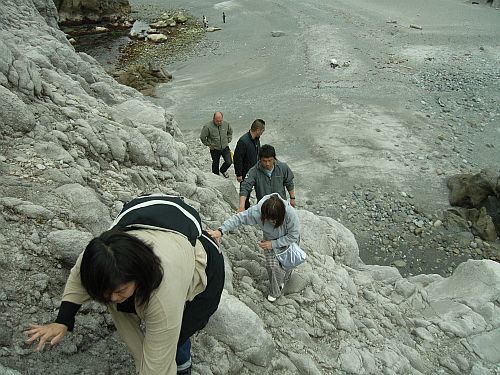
226,155
200,309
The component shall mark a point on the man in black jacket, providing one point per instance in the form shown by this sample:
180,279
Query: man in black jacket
246,153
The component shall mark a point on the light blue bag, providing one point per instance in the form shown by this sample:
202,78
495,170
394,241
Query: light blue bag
292,257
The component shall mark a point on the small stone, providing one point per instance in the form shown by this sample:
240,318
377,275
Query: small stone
437,223
400,263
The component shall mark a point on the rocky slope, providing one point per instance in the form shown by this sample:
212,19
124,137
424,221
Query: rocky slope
74,145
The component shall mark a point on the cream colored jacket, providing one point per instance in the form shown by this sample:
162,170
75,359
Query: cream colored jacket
184,277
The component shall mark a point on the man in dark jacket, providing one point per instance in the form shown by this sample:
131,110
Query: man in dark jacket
267,176
246,153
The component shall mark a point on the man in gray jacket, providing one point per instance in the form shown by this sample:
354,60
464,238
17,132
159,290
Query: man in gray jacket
216,135
267,176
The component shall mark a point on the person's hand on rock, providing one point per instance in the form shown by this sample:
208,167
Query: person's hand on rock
53,332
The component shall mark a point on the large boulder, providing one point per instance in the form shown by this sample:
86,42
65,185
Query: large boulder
326,236
242,330
471,191
14,114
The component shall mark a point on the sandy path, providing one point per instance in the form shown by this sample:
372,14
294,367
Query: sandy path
354,122
373,123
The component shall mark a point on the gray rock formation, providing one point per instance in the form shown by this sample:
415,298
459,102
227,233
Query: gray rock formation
78,11
479,198
75,145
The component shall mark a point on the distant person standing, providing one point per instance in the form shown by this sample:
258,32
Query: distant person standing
223,17
246,153
205,22
268,176
217,135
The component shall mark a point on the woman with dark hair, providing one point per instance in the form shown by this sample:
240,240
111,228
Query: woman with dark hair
157,276
280,227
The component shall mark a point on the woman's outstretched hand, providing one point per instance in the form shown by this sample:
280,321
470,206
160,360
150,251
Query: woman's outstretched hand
53,332
215,234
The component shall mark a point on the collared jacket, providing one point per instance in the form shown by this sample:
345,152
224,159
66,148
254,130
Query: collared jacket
246,154
281,237
216,137
281,178
184,277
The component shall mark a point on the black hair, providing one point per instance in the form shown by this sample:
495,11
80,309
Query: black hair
215,113
115,258
258,124
267,151
273,209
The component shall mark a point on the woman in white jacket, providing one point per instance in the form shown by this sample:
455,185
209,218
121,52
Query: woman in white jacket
280,226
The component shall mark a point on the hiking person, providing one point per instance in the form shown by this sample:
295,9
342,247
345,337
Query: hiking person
268,176
280,228
217,135
154,265
205,22
223,17
246,152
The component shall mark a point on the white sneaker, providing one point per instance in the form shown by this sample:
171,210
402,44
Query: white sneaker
225,174
270,298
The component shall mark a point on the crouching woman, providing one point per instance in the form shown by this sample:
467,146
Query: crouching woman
155,276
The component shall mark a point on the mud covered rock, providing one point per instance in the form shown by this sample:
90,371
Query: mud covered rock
144,78
83,11
472,190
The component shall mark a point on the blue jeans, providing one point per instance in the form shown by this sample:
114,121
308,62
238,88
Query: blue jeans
183,355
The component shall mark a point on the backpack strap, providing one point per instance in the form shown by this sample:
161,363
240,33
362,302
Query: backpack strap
161,212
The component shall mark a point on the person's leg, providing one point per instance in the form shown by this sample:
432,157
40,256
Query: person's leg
226,154
275,273
183,357
198,311
215,154
286,278
128,326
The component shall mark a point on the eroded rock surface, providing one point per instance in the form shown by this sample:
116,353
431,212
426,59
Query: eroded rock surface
75,145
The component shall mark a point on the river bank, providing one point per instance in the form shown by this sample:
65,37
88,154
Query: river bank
372,142
408,107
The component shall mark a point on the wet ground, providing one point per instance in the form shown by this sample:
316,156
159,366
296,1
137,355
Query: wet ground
371,142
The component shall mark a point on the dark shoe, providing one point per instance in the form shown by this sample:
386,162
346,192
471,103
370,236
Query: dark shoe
186,371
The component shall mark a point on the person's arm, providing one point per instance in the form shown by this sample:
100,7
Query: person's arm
204,135
246,187
239,153
248,217
288,179
292,197
73,297
229,133
292,230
